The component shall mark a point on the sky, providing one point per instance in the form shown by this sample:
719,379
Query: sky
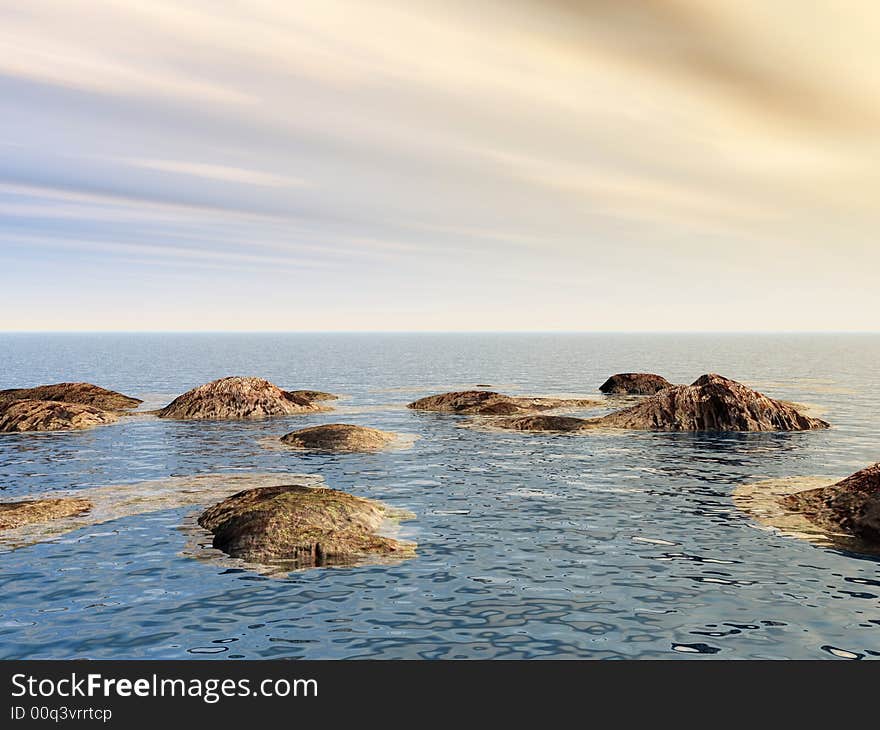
592,165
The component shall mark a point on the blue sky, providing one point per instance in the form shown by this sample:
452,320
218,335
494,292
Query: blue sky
594,165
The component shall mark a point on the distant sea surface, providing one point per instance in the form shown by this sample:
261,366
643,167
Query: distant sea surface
623,545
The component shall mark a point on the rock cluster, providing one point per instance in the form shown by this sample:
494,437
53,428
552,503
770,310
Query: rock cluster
634,384
711,403
240,398
851,506
306,526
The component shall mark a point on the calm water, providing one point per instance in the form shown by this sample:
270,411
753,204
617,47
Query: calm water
530,546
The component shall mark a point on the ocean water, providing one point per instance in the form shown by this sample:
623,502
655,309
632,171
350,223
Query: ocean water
603,545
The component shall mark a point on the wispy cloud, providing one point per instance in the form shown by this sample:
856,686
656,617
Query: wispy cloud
519,162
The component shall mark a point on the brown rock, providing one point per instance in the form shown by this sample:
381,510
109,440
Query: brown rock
339,437
489,403
84,393
239,398
851,506
634,384
308,526
50,415
712,403
543,423
16,514
313,395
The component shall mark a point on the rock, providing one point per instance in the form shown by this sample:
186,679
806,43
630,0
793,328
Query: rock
543,423
489,403
309,526
711,403
339,437
16,514
238,397
50,415
851,506
313,395
84,393
634,384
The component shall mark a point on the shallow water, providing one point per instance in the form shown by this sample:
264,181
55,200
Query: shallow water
611,545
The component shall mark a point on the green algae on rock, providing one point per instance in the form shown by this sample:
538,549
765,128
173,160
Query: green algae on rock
303,526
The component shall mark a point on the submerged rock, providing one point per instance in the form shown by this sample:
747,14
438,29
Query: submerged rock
339,437
634,384
84,393
851,506
489,403
711,403
309,526
313,395
543,423
27,512
239,398
50,415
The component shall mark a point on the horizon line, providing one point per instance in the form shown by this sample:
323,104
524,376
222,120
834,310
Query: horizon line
439,332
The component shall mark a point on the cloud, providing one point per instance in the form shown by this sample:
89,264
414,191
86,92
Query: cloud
217,172
523,161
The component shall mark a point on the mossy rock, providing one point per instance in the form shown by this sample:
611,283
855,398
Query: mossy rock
304,526
339,437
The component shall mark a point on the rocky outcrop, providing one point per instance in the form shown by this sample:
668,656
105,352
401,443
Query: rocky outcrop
634,384
83,393
563,424
711,403
307,526
851,506
240,398
489,403
27,512
339,437
49,415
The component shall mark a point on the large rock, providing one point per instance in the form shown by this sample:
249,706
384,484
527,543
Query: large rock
634,384
27,512
489,403
564,424
711,403
308,526
238,397
851,506
84,393
49,415
339,437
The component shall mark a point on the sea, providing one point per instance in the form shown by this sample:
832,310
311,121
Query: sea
602,545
